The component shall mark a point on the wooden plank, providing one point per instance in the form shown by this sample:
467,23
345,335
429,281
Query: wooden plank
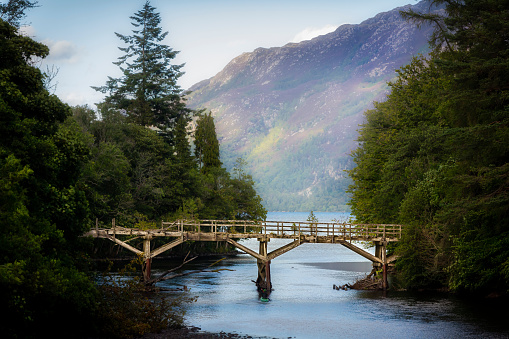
283,249
360,251
166,247
123,244
392,258
247,250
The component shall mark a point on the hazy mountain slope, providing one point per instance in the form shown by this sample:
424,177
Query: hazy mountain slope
293,112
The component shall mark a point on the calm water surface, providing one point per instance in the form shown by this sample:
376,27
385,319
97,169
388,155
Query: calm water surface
304,304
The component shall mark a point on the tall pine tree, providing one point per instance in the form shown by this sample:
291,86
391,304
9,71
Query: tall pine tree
147,90
206,145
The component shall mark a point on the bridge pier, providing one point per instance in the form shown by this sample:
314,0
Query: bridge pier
147,257
263,281
381,253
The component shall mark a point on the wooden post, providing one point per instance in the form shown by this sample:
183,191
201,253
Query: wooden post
385,283
263,281
267,278
148,259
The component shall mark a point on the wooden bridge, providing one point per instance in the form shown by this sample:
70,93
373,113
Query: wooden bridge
232,231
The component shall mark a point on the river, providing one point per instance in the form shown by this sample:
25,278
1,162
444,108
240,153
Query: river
304,304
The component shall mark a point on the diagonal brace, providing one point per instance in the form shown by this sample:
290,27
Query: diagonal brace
166,247
360,251
283,249
247,250
123,244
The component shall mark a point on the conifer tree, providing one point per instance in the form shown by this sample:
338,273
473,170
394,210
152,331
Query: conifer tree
182,146
148,89
206,144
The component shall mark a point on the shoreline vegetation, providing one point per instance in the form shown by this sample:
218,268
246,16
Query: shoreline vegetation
434,155
192,332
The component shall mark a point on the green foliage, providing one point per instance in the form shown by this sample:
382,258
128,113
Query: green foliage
434,155
43,207
62,167
128,311
142,162
148,90
14,10
312,217
206,146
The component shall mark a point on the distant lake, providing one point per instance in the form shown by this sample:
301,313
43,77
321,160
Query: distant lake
303,216
305,305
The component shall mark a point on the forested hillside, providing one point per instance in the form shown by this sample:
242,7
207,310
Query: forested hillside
293,111
434,154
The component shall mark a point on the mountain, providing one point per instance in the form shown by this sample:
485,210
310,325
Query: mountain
293,111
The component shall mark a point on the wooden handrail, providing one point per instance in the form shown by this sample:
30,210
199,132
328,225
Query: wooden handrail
274,229
281,228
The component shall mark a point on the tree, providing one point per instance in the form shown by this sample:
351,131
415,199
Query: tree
182,146
14,10
147,90
206,145
43,208
434,155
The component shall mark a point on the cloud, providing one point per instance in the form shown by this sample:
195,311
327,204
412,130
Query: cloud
312,32
27,31
80,96
62,51
59,51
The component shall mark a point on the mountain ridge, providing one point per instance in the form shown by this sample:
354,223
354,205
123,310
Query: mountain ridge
292,112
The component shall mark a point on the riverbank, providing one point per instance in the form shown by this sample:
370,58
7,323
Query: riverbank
192,333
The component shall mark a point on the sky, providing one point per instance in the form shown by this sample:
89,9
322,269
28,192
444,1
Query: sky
207,33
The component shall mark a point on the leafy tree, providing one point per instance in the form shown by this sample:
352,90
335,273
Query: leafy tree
43,207
148,90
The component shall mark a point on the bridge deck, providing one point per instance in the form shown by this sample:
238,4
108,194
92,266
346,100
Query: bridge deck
222,230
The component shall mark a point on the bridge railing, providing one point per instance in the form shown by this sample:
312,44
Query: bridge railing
215,226
347,230
288,229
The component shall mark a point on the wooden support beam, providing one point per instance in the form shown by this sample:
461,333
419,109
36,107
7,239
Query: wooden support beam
392,258
360,251
247,250
385,283
263,281
267,277
148,261
166,247
123,244
283,249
